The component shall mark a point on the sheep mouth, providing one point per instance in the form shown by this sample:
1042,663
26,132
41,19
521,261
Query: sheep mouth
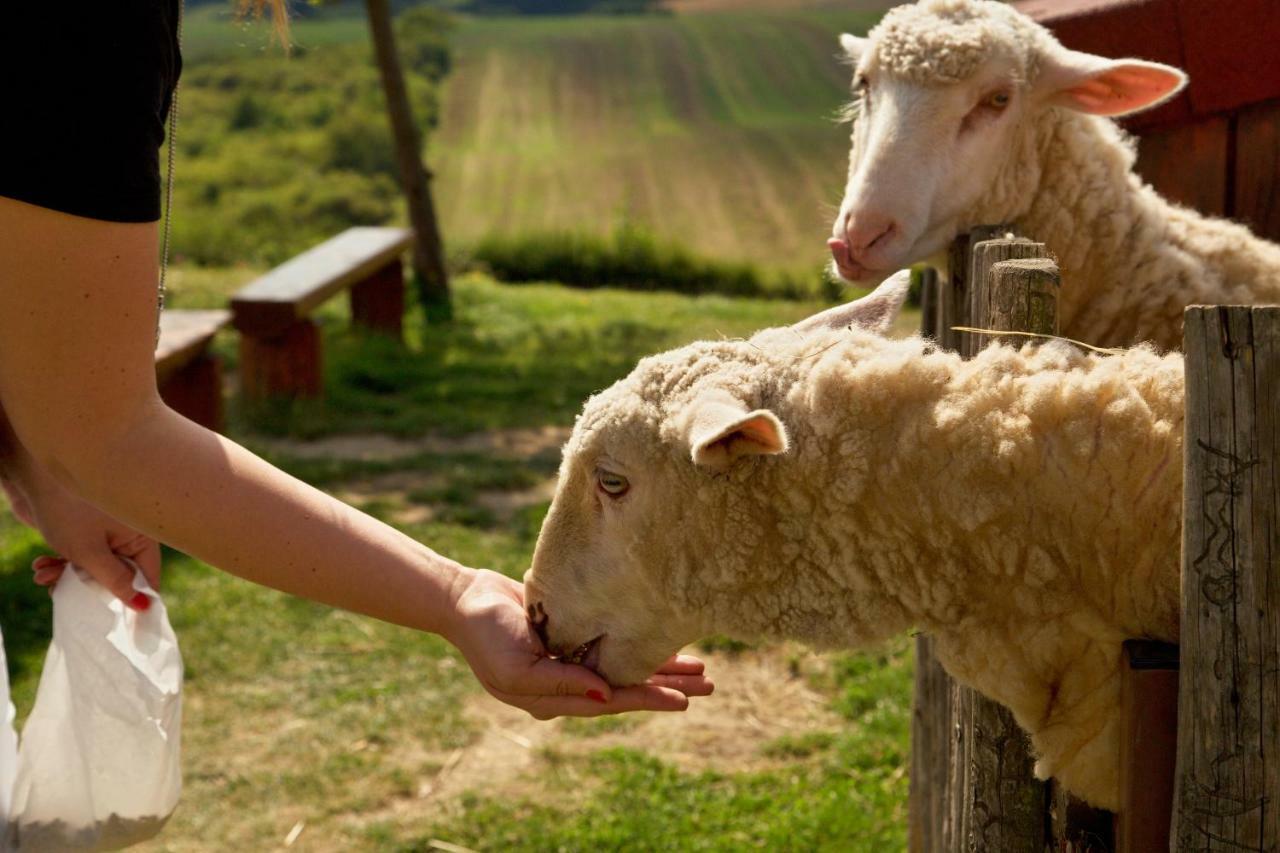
587,654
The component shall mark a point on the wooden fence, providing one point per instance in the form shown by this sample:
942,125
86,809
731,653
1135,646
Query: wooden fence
972,786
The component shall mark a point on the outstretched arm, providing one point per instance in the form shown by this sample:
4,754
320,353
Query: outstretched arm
77,378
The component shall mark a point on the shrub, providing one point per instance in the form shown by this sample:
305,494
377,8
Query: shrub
634,259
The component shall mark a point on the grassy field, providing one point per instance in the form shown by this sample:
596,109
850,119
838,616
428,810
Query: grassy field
716,130
369,737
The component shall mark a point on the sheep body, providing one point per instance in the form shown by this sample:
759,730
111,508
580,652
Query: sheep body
1023,507
1131,260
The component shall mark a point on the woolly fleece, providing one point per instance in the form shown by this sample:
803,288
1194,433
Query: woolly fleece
1131,260
1023,507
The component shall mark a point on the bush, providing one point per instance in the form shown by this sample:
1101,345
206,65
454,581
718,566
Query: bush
633,259
279,153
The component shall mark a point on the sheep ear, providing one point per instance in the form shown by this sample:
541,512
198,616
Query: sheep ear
722,430
1108,87
853,46
875,311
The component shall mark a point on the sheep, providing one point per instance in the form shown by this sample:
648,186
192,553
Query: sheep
967,112
827,484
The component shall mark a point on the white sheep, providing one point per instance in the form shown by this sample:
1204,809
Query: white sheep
826,484
967,112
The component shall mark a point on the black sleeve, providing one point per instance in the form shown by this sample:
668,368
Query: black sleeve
85,88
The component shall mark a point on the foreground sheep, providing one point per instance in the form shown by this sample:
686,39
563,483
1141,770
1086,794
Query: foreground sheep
832,486
968,112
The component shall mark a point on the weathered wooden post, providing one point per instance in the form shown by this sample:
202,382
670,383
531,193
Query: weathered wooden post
1228,767
931,725
973,786
999,804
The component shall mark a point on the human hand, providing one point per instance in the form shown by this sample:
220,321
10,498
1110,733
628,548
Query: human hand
85,535
507,657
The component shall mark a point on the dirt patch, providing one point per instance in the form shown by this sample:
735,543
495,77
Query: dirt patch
377,447
760,696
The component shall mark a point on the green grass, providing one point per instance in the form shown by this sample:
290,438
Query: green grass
837,791
299,713
513,357
714,130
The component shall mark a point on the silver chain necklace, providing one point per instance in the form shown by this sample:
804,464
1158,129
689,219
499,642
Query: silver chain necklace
168,190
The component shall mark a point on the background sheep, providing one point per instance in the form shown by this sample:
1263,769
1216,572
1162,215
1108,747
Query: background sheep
967,112
836,487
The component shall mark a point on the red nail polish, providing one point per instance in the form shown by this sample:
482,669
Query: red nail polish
597,696
140,602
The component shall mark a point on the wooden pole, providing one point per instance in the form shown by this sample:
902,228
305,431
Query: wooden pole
931,729
1227,794
1023,296
996,803
929,303
973,786
984,255
428,250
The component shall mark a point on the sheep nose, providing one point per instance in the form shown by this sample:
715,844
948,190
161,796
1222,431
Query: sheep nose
866,231
538,618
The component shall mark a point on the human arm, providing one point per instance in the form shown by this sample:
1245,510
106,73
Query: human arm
77,324
77,530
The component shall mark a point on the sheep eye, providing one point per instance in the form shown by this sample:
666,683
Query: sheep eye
997,100
614,485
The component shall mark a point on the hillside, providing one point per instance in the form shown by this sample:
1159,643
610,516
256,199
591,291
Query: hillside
716,130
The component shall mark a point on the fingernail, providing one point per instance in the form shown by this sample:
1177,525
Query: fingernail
597,696
140,602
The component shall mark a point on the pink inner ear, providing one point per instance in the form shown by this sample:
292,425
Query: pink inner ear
1122,90
763,432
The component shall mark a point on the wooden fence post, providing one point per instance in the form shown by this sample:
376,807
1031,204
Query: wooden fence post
999,804
973,786
1227,794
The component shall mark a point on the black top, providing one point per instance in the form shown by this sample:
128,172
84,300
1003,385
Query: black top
85,87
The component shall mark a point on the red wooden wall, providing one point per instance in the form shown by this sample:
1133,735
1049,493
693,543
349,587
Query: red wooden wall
1217,146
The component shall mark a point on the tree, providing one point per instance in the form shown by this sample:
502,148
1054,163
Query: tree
428,251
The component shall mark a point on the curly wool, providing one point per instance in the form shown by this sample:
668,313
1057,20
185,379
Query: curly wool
1023,507
938,42
1131,260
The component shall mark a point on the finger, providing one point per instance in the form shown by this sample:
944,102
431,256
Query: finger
547,677
47,577
641,698
689,685
682,665
47,561
116,575
144,551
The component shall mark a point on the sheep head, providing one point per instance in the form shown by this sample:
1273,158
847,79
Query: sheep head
949,99
663,499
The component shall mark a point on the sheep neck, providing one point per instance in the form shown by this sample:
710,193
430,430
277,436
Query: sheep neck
1097,219
1130,259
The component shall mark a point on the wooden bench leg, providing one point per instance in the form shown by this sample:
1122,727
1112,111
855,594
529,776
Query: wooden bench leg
377,303
1148,745
286,365
195,392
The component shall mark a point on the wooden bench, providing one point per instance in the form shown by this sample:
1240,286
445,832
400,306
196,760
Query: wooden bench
280,351
189,376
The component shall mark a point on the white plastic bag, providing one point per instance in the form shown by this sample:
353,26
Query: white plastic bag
98,762
8,745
